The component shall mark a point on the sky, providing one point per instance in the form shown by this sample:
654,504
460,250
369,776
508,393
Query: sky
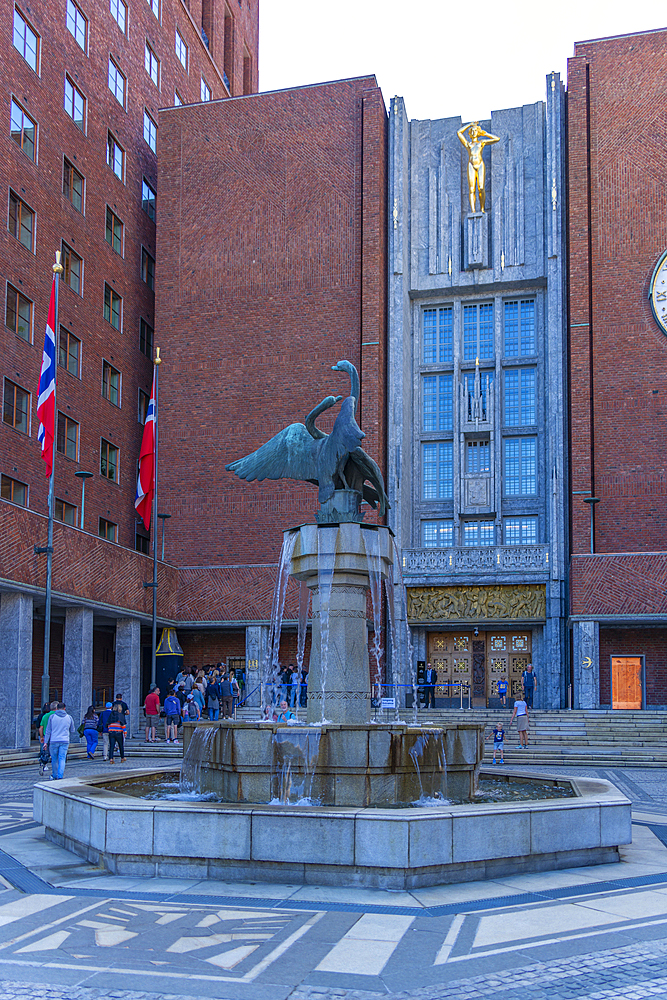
444,57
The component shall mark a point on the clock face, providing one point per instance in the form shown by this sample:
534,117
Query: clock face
657,293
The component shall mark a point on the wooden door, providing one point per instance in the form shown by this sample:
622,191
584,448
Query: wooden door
439,656
497,649
462,664
626,682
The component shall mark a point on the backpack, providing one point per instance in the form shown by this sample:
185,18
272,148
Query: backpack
192,711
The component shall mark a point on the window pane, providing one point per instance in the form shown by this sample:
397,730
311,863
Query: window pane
528,396
437,470
25,40
148,199
150,131
511,329
511,398
469,333
76,24
119,13
527,328
437,534
478,457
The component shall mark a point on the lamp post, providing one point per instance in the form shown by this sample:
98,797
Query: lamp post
163,518
592,501
83,476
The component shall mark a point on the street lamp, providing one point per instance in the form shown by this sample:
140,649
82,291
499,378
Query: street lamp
82,476
592,501
163,518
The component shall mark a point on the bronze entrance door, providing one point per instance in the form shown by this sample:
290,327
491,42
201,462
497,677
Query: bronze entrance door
440,658
508,655
626,682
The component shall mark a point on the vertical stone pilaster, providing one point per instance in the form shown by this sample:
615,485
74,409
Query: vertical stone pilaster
586,664
127,675
78,662
15,669
256,649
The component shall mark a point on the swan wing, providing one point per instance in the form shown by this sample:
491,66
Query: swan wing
289,454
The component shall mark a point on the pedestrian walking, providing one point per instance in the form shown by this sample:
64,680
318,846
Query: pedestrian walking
103,728
528,678
48,712
502,690
126,713
117,726
57,734
172,710
498,734
90,723
152,712
521,715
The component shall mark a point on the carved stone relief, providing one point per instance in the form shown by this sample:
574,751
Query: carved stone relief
503,601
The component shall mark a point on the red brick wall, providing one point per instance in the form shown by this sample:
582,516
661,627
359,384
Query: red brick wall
271,269
615,91
40,185
650,643
619,584
617,204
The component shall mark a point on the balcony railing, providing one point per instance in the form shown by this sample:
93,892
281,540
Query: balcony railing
471,559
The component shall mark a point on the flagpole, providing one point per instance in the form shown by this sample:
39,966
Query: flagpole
46,680
157,362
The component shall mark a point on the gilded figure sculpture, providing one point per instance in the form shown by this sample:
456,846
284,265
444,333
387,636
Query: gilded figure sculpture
475,143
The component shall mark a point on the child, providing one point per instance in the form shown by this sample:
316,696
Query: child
502,690
498,734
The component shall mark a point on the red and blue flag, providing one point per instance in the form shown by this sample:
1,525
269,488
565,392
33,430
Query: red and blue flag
46,395
146,479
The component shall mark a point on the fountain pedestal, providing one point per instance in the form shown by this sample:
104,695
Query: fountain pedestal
333,560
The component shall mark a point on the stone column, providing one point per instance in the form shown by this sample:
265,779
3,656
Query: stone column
78,663
15,670
586,664
127,675
256,647
339,677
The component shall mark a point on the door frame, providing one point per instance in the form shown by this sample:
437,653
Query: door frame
634,656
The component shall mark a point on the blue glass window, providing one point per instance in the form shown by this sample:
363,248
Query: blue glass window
478,332
520,397
437,470
438,404
479,533
519,328
478,456
437,534
438,336
520,466
521,531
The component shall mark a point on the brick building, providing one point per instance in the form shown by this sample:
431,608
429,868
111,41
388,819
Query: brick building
618,370
271,268
477,374
82,85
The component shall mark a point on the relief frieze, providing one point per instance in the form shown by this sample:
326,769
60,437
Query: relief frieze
502,601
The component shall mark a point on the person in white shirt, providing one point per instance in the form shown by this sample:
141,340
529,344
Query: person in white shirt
57,736
521,715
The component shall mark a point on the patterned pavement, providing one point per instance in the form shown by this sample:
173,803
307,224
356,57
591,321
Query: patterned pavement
580,934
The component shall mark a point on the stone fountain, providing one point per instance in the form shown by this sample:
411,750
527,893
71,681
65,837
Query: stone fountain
356,802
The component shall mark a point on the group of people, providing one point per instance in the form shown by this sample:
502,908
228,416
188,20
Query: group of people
520,713
213,690
293,686
528,678
56,728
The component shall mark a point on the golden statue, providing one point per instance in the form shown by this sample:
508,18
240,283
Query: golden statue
478,139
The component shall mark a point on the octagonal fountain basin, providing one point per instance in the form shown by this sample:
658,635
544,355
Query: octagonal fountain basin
395,848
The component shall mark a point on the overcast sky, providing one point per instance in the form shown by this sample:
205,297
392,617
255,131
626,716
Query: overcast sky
445,57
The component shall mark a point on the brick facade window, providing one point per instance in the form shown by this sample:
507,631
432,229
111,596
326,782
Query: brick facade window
146,339
520,397
16,407
520,466
204,90
148,199
116,157
152,65
437,402
73,269
150,131
181,51
117,82
26,40
23,131
18,314
519,328
109,461
437,470
479,533
73,185
119,13
113,307
77,24
111,383
155,7
520,531
143,406
478,457
69,352
65,512
142,541
148,268
178,100
21,222
114,232
437,534
438,336
108,530
67,437
14,491
478,331
75,104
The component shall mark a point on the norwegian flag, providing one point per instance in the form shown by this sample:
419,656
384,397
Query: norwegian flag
46,394
146,479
